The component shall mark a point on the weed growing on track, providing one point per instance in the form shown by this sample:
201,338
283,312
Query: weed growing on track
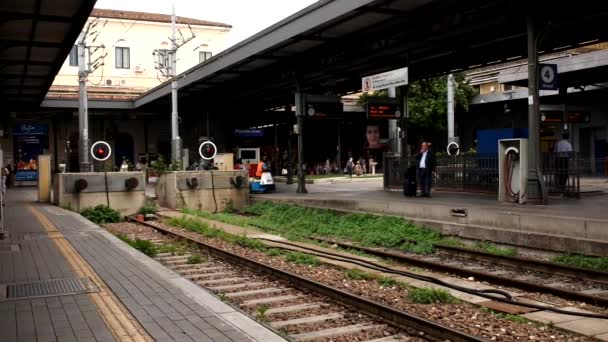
222,296
300,223
581,261
260,313
492,249
508,317
427,295
357,274
274,252
195,259
302,258
387,281
143,246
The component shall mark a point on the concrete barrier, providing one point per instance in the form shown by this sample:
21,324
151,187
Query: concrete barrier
122,191
211,191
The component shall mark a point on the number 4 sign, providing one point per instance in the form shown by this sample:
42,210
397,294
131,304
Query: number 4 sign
548,77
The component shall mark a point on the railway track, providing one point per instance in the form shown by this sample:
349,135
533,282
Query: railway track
299,308
588,286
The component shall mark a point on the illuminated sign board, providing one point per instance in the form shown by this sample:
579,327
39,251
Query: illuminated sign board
578,117
385,109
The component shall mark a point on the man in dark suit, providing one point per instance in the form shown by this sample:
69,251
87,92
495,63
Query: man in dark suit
425,163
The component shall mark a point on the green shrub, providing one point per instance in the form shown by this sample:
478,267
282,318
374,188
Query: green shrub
302,258
581,261
101,214
427,295
148,208
357,274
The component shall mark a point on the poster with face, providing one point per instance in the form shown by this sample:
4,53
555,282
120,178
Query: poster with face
376,135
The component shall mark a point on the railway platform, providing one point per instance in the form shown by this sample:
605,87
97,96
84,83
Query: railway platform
565,225
63,278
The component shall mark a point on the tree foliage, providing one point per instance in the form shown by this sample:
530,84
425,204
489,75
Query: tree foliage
428,100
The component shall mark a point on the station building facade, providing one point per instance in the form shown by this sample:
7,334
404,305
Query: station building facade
123,46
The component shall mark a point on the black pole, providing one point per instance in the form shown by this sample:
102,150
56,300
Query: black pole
535,189
300,112
301,171
339,155
289,164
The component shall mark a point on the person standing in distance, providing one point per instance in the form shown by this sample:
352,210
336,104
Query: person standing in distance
425,162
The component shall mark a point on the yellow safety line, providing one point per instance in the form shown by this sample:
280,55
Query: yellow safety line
117,317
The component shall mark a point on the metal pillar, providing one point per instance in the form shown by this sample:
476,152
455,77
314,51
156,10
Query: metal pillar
275,154
83,111
535,189
451,137
289,155
393,134
176,142
300,112
405,148
339,148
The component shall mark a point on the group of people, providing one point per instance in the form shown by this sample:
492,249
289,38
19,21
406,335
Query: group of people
358,169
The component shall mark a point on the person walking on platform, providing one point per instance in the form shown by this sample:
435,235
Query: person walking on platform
563,151
425,162
349,167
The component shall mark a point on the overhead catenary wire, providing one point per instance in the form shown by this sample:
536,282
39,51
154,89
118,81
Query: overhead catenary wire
485,293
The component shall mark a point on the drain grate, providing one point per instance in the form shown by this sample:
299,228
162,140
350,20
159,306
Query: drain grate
50,288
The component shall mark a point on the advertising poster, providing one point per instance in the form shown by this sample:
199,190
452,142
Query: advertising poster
30,140
376,140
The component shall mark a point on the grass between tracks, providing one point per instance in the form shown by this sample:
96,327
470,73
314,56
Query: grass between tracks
143,246
581,261
202,228
298,223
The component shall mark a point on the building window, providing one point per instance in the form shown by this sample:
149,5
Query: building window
123,58
74,56
204,55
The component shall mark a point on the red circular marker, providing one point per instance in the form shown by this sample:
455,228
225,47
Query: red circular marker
101,151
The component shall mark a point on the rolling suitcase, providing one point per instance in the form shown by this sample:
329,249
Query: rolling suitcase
409,182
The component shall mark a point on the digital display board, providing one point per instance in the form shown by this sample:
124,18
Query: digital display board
383,109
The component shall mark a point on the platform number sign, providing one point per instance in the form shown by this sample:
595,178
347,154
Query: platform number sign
101,151
548,77
207,150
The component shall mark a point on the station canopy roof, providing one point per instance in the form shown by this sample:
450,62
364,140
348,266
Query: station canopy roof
36,36
328,46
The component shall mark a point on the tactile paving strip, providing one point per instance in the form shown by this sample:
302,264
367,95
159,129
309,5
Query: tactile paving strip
49,288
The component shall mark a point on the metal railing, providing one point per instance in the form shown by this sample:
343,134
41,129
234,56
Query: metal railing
561,172
593,167
475,173
479,173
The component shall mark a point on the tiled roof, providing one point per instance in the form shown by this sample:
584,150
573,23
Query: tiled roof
156,17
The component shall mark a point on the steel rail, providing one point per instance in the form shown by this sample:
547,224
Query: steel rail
398,318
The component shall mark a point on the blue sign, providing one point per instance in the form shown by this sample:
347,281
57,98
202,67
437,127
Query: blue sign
26,128
29,141
249,133
548,77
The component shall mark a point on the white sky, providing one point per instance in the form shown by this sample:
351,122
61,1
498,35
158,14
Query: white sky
247,17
